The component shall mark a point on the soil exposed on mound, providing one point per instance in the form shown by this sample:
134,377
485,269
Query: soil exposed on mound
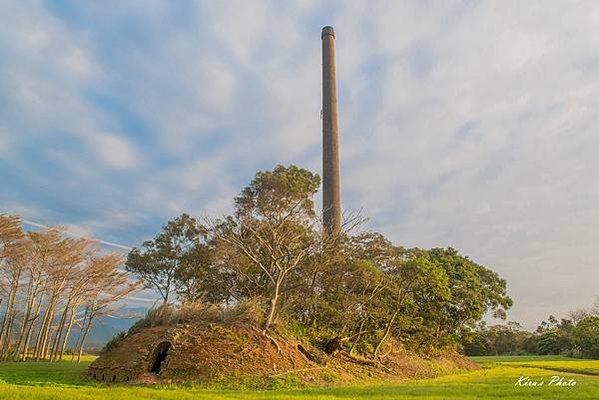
230,353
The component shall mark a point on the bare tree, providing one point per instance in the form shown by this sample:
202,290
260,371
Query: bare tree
109,286
50,283
69,253
13,258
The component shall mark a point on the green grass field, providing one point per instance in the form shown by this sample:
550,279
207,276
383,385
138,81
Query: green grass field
495,380
551,363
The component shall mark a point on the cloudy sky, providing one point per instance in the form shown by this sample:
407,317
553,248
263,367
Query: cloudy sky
470,124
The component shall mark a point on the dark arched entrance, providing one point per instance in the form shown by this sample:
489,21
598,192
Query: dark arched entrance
158,357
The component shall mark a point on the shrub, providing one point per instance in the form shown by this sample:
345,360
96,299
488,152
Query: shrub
139,325
300,331
167,315
113,343
162,315
548,343
249,312
196,312
586,337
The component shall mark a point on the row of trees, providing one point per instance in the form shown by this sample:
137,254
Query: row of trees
576,335
50,286
353,284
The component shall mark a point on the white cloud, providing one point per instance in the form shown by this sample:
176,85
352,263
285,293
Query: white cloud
115,150
240,26
77,62
514,189
21,209
79,230
468,124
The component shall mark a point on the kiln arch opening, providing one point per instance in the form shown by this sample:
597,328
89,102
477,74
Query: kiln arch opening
159,356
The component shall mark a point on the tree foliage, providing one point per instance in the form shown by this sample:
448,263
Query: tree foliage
586,336
575,336
355,285
271,235
164,262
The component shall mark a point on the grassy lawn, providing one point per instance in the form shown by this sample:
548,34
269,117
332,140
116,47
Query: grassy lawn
550,363
496,380
519,359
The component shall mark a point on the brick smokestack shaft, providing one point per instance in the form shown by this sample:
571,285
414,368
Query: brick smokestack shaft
331,188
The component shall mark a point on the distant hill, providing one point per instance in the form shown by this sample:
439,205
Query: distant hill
105,328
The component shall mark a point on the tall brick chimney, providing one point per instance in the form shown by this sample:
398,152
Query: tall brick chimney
331,187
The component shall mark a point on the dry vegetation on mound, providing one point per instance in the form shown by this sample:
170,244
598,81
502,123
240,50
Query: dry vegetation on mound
212,346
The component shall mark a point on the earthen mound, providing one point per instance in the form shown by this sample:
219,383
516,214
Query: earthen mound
197,352
241,353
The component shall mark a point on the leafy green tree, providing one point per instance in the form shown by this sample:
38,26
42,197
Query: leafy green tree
586,336
554,336
497,340
341,296
475,290
199,278
360,289
475,341
548,343
169,254
272,233
415,286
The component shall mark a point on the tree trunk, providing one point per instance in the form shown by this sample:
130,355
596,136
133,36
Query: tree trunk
42,337
47,334
89,323
360,332
81,330
80,353
1,299
59,330
57,289
9,318
66,335
32,324
273,304
32,293
386,334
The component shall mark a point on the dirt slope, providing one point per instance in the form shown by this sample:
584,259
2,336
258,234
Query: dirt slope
240,354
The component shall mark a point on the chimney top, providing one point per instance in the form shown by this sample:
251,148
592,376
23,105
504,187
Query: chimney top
327,30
